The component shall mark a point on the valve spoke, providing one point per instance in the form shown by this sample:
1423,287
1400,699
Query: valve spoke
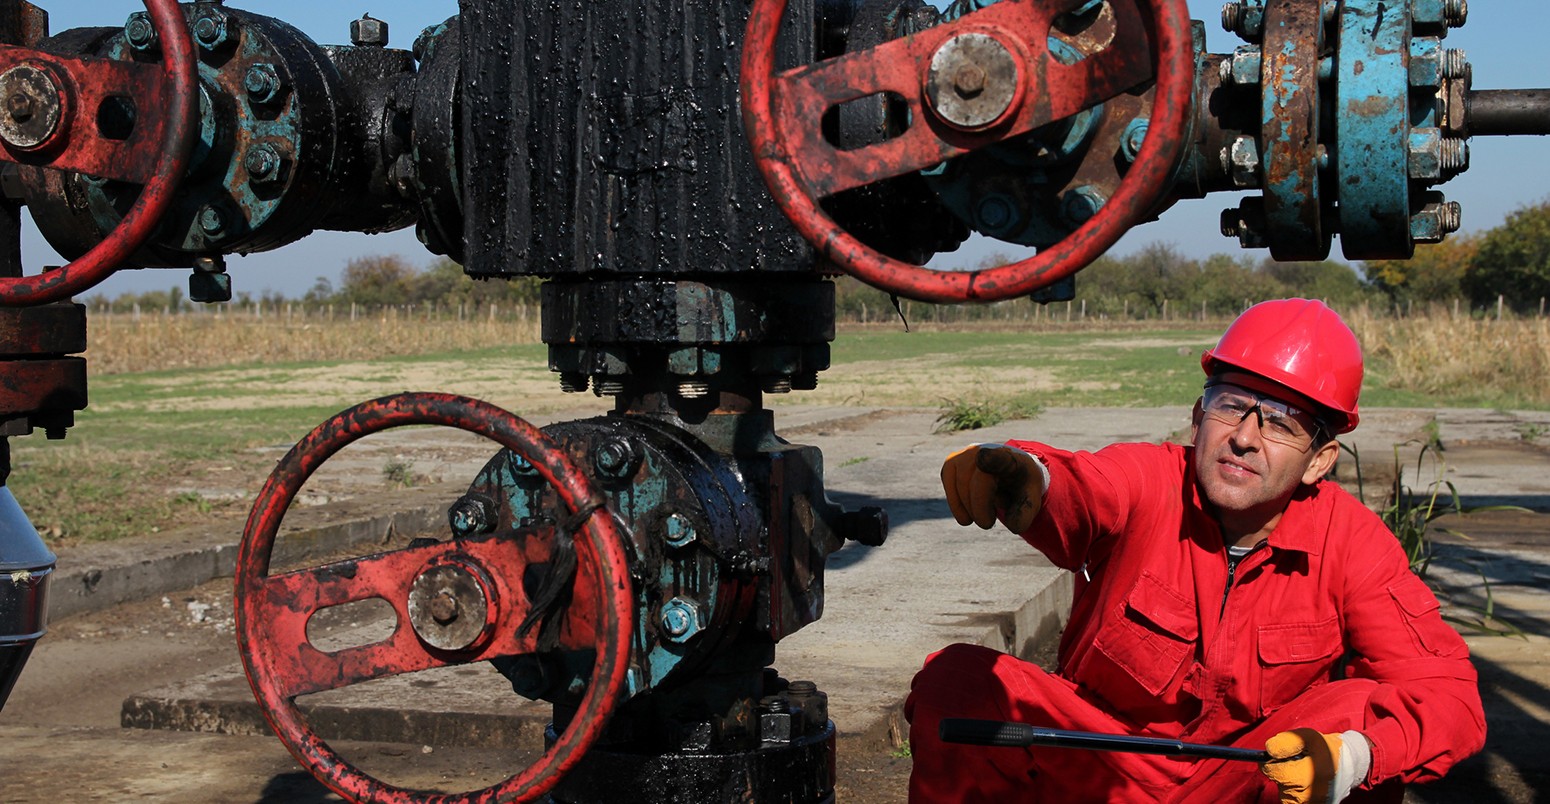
289,600
1039,89
50,114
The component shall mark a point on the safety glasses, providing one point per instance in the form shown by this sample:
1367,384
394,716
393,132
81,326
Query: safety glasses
1278,421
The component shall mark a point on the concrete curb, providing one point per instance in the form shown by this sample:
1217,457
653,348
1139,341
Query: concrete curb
106,575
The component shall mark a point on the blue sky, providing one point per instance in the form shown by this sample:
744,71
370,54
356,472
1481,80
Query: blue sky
1504,40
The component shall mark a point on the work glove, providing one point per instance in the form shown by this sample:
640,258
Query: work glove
1314,768
990,481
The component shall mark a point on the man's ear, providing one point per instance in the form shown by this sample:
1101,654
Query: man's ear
1194,422
1323,461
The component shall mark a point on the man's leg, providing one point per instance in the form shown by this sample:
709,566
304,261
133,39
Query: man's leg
1328,708
969,681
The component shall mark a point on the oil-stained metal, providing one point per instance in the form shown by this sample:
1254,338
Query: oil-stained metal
973,81
782,115
451,607
26,568
32,107
272,610
155,152
292,137
1291,109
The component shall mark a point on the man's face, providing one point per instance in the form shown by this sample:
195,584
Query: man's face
1253,449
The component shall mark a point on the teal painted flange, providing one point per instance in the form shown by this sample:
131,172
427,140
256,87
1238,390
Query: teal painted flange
1372,128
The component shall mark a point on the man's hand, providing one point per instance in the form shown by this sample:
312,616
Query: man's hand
987,481
1314,768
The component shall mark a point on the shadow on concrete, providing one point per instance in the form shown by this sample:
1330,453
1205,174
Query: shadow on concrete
901,512
1538,503
1511,769
1481,579
296,787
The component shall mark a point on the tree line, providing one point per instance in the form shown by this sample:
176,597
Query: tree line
1509,264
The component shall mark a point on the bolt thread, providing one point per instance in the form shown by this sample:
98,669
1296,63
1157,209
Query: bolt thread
1455,154
1456,12
608,387
693,390
1455,63
776,385
573,382
1230,223
1232,15
1450,217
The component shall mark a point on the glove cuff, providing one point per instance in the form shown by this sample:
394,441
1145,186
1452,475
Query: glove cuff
1351,770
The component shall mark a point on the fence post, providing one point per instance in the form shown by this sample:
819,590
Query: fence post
1500,301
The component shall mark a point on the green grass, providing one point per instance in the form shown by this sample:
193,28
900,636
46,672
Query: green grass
150,431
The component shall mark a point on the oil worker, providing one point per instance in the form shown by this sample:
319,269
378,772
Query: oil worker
1225,593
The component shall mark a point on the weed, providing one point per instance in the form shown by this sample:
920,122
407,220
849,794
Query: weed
962,414
1532,431
902,752
398,472
1410,516
854,461
195,500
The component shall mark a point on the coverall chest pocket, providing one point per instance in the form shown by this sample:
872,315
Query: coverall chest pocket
1294,657
1151,635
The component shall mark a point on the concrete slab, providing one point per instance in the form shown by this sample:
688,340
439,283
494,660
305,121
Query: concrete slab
932,584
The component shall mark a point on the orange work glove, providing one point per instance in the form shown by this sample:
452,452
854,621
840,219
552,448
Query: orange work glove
1314,768
987,482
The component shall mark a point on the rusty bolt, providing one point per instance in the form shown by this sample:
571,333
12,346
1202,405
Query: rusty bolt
262,83
444,607
1241,161
263,163
21,107
678,531
471,515
212,221
1436,220
1081,204
1425,154
615,458
969,80
682,619
1244,66
213,29
368,32
140,32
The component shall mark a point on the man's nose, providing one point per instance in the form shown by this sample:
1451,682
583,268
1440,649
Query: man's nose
1247,434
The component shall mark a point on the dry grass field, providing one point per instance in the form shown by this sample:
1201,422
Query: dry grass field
179,401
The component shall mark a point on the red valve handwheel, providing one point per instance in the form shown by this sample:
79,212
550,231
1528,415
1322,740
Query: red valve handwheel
272,610
170,108
781,114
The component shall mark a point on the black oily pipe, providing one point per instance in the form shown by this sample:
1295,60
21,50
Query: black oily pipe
1498,112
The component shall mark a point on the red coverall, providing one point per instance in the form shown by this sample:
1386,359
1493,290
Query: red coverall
1162,642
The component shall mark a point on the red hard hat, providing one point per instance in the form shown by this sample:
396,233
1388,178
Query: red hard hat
1302,345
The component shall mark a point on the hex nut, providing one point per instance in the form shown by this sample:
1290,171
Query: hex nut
368,32
1241,162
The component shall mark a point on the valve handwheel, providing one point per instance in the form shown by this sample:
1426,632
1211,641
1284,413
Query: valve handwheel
986,77
484,572
52,104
